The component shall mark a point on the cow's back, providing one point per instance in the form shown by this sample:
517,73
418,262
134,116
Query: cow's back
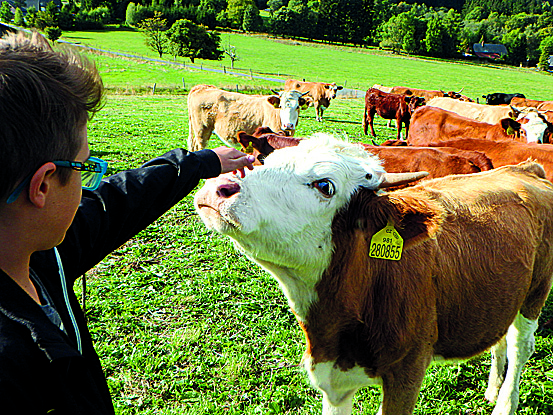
487,204
478,112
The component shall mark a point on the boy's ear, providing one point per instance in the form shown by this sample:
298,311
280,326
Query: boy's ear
40,184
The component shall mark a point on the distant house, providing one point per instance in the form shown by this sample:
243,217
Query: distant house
489,50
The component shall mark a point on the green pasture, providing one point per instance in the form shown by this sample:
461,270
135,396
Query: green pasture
184,324
353,67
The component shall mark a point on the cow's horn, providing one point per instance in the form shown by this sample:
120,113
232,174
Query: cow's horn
461,90
275,92
397,179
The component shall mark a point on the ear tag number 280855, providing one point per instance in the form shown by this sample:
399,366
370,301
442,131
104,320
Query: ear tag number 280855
386,244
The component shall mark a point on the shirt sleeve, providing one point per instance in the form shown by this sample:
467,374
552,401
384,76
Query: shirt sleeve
127,202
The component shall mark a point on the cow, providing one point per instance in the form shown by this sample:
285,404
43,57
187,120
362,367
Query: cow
540,105
478,112
425,93
435,124
502,153
438,162
500,98
320,93
390,106
211,109
383,283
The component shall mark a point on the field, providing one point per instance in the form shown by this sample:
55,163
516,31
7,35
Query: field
185,325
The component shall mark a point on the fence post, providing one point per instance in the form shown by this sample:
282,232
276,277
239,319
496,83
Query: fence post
251,74
224,69
183,84
154,89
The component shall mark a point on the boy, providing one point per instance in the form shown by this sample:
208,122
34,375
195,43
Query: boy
51,232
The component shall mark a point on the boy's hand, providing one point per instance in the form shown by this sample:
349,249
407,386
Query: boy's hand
234,160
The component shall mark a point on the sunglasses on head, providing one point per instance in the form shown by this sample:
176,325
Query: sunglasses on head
91,170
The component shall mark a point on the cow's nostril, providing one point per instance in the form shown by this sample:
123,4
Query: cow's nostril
228,189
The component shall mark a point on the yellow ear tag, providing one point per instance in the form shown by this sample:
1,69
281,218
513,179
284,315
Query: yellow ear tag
249,148
510,130
386,244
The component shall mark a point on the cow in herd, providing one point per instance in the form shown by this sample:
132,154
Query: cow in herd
211,109
390,106
319,94
382,283
501,98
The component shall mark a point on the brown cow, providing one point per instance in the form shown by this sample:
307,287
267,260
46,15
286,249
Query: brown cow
320,93
435,124
437,162
503,153
384,283
541,105
390,106
211,109
425,93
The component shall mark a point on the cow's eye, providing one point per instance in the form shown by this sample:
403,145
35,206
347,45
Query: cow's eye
325,186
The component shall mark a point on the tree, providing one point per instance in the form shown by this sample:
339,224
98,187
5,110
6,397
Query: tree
18,18
435,34
546,48
6,14
53,33
515,42
236,10
252,21
189,40
154,29
230,51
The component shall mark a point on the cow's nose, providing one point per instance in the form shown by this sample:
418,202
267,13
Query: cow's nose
226,190
288,126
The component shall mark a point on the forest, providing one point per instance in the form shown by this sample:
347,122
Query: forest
436,28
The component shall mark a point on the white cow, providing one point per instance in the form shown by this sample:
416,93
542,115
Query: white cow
211,109
384,283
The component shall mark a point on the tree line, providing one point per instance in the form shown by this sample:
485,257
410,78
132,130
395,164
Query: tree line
438,28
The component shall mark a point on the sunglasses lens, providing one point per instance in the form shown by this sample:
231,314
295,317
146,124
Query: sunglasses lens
91,176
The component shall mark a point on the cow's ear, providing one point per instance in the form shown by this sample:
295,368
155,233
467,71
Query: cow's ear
509,125
247,142
303,103
415,219
274,101
327,86
407,98
339,87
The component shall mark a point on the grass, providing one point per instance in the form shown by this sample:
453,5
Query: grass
185,325
354,68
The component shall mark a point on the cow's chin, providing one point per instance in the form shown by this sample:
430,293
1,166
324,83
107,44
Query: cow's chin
217,221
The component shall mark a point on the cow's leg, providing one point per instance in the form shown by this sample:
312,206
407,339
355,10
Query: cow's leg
520,346
345,407
398,126
371,121
497,370
401,386
318,112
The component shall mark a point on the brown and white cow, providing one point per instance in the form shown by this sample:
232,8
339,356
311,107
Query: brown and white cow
321,93
502,153
389,106
384,283
435,124
211,109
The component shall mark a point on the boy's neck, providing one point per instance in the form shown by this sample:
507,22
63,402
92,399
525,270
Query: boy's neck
15,260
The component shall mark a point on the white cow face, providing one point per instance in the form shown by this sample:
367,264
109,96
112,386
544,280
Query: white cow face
290,103
534,126
281,213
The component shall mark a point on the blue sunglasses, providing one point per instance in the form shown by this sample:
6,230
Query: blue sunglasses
91,170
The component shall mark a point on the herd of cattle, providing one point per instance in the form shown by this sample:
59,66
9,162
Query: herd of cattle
445,131
466,281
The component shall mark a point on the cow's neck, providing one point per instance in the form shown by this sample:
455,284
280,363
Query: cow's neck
298,287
